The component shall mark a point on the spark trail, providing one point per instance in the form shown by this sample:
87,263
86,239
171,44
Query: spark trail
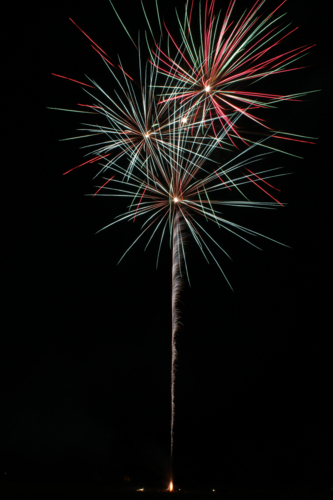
177,282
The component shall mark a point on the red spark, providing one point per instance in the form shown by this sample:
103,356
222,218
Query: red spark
98,190
222,180
76,81
85,34
137,208
88,161
276,189
277,201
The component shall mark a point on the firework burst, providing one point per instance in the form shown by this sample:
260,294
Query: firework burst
218,72
156,152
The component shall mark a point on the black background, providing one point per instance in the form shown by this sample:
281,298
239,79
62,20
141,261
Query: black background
86,343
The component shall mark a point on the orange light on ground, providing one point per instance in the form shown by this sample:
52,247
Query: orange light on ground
171,486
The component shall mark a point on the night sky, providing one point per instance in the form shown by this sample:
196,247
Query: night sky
86,343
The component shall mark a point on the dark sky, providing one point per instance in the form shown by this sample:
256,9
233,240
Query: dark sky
86,343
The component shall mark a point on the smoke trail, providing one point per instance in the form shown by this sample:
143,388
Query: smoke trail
177,282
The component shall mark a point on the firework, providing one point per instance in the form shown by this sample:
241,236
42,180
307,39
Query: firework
221,70
155,151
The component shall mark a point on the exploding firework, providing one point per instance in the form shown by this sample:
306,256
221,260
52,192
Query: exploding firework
219,72
157,152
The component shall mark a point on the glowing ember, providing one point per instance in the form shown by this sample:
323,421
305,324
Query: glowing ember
175,200
171,486
184,120
207,89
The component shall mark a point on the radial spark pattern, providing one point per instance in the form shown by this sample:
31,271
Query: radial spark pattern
154,140
220,69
